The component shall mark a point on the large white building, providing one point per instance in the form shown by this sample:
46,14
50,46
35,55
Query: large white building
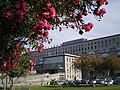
101,46
61,64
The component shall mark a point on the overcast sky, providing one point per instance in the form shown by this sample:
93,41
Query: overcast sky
109,25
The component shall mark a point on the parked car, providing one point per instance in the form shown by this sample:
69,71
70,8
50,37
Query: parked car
108,82
99,81
117,80
62,82
105,81
84,81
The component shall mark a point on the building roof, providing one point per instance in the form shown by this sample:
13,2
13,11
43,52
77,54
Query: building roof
65,54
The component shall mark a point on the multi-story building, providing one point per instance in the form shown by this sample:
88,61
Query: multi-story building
61,64
101,46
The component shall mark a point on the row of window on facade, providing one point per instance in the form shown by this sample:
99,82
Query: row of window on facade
78,52
83,47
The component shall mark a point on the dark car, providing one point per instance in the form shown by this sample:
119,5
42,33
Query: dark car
117,80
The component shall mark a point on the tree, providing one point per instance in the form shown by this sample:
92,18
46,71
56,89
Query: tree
88,64
93,64
110,64
20,68
27,22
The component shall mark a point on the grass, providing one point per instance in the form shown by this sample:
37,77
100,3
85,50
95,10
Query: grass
112,87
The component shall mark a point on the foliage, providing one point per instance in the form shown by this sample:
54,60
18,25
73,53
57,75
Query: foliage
94,64
111,64
52,82
88,63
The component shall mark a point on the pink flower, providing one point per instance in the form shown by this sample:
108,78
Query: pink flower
40,48
45,14
91,25
52,12
24,6
42,40
5,64
17,44
48,4
13,64
37,28
49,26
79,16
45,34
42,23
20,13
20,16
31,62
30,68
8,15
101,2
17,5
102,11
59,3
87,27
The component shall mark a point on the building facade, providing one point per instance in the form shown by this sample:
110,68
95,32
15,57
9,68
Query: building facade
100,46
61,64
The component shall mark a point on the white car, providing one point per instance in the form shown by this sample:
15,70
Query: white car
108,82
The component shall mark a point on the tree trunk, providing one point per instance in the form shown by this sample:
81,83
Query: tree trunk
12,84
3,81
108,72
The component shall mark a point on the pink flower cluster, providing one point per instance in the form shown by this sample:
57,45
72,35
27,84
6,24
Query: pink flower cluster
100,12
8,14
7,65
102,2
40,48
50,13
20,10
31,63
43,26
87,27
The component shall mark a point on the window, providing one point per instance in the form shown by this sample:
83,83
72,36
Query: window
91,47
102,42
76,50
98,42
82,45
105,41
88,48
82,49
95,47
98,46
88,44
106,45
112,49
117,43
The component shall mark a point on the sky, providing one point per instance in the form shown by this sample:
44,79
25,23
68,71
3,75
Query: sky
109,25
